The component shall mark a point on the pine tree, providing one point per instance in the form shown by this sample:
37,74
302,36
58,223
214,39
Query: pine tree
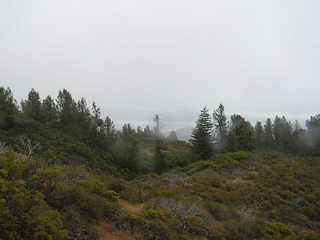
287,134
159,158
127,130
32,106
258,134
202,135
172,137
268,140
96,121
67,111
313,127
49,110
97,135
83,118
220,124
232,144
243,131
8,108
147,133
277,132
282,134
110,130
126,151
298,135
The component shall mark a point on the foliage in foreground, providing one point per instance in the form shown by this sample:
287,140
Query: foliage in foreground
235,196
43,203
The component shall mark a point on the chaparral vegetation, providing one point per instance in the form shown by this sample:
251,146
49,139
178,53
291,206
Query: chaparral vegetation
67,173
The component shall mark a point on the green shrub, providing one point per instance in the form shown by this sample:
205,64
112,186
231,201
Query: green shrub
48,225
110,195
308,234
167,193
98,187
155,214
150,226
24,213
94,185
276,230
239,230
91,206
77,226
201,165
219,211
238,155
196,225
117,185
45,179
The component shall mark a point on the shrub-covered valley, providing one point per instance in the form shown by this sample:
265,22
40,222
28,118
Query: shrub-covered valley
67,173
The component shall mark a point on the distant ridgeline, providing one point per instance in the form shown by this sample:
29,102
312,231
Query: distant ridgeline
67,130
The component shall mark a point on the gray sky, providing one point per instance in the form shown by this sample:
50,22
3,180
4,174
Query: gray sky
257,57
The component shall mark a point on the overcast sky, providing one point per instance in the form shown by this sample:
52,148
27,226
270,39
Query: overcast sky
257,57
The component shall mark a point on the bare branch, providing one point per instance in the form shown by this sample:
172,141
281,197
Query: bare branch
27,146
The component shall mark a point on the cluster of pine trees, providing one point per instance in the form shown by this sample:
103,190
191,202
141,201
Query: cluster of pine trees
76,119
217,134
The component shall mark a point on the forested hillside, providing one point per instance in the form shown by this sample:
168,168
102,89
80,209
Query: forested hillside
67,173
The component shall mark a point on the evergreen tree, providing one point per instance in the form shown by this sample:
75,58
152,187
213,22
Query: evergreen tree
220,124
172,137
83,119
282,134
8,108
232,144
287,134
110,130
127,130
313,128
267,135
97,122
298,138
32,106
277,132
202,135
49,110
259,134
243,131
67,112
126,151
97,135
139,132
147,133
159,158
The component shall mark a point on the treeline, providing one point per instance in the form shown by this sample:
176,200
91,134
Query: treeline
213,133
65,113
216,134
77,119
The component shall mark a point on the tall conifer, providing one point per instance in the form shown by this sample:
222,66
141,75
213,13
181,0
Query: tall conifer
202,135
